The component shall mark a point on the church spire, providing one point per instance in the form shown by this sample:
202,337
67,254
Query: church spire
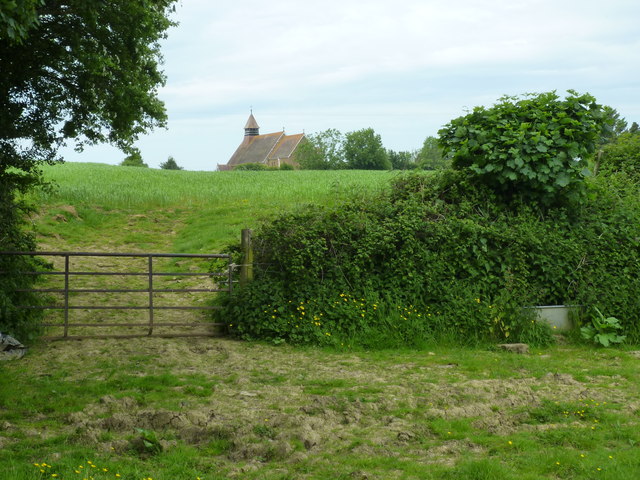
251,128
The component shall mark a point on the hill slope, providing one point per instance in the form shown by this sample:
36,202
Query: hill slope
111,208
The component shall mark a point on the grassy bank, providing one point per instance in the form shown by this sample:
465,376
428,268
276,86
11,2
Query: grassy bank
100,206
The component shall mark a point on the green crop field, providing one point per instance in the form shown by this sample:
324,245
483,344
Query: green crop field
214,408
179,211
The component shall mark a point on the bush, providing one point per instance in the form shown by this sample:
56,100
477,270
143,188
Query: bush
133,160
261,167
251,167
534,146
439,257
623,155
170,164
18,322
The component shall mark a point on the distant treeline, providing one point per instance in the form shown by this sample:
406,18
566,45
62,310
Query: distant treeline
363,150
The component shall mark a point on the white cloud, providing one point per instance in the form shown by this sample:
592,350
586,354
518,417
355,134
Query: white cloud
403,67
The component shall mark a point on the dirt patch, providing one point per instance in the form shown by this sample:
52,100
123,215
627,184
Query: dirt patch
70,209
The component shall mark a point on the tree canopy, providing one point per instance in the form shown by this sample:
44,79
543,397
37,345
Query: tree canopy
363,150
73,71
322,151
331,150
430,156
623,155
87,72
402,160
17,17
170,164
133,160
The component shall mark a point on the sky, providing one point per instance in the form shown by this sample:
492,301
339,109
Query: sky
404,67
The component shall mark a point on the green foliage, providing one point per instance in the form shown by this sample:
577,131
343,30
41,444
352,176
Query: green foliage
17,17
133,160
261,167
252,167
603,331
20,323
170,164
322,151
533,146
71,71
402,160
449,251
363,150
146,443
430,156
90,76
622,155
358,150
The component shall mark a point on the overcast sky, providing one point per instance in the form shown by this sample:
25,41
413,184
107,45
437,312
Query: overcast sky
402,67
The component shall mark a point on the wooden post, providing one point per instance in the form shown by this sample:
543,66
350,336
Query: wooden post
246,269
150,269
66,295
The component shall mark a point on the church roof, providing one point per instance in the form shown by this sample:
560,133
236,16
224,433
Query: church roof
251,123
270,148
262,148
286,146
255,149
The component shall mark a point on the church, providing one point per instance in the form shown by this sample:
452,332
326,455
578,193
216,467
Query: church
270,149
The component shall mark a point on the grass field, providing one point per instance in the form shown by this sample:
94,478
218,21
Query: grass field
183,409
214,409
181,211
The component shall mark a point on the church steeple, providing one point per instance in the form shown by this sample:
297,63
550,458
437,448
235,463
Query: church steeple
251,128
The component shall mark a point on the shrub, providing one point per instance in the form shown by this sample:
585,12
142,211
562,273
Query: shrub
133,160
18,322
439,256
534,146
170,164
251,167
623,155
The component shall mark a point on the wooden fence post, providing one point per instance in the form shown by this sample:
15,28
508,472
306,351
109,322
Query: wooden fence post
246,269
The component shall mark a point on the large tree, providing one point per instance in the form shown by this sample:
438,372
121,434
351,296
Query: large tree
363,150
322,151
430,156
72,71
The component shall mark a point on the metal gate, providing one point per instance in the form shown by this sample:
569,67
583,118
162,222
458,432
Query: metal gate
78,284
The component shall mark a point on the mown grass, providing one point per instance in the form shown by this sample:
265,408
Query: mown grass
589,431
438,413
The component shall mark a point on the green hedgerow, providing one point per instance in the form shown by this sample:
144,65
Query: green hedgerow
440,245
